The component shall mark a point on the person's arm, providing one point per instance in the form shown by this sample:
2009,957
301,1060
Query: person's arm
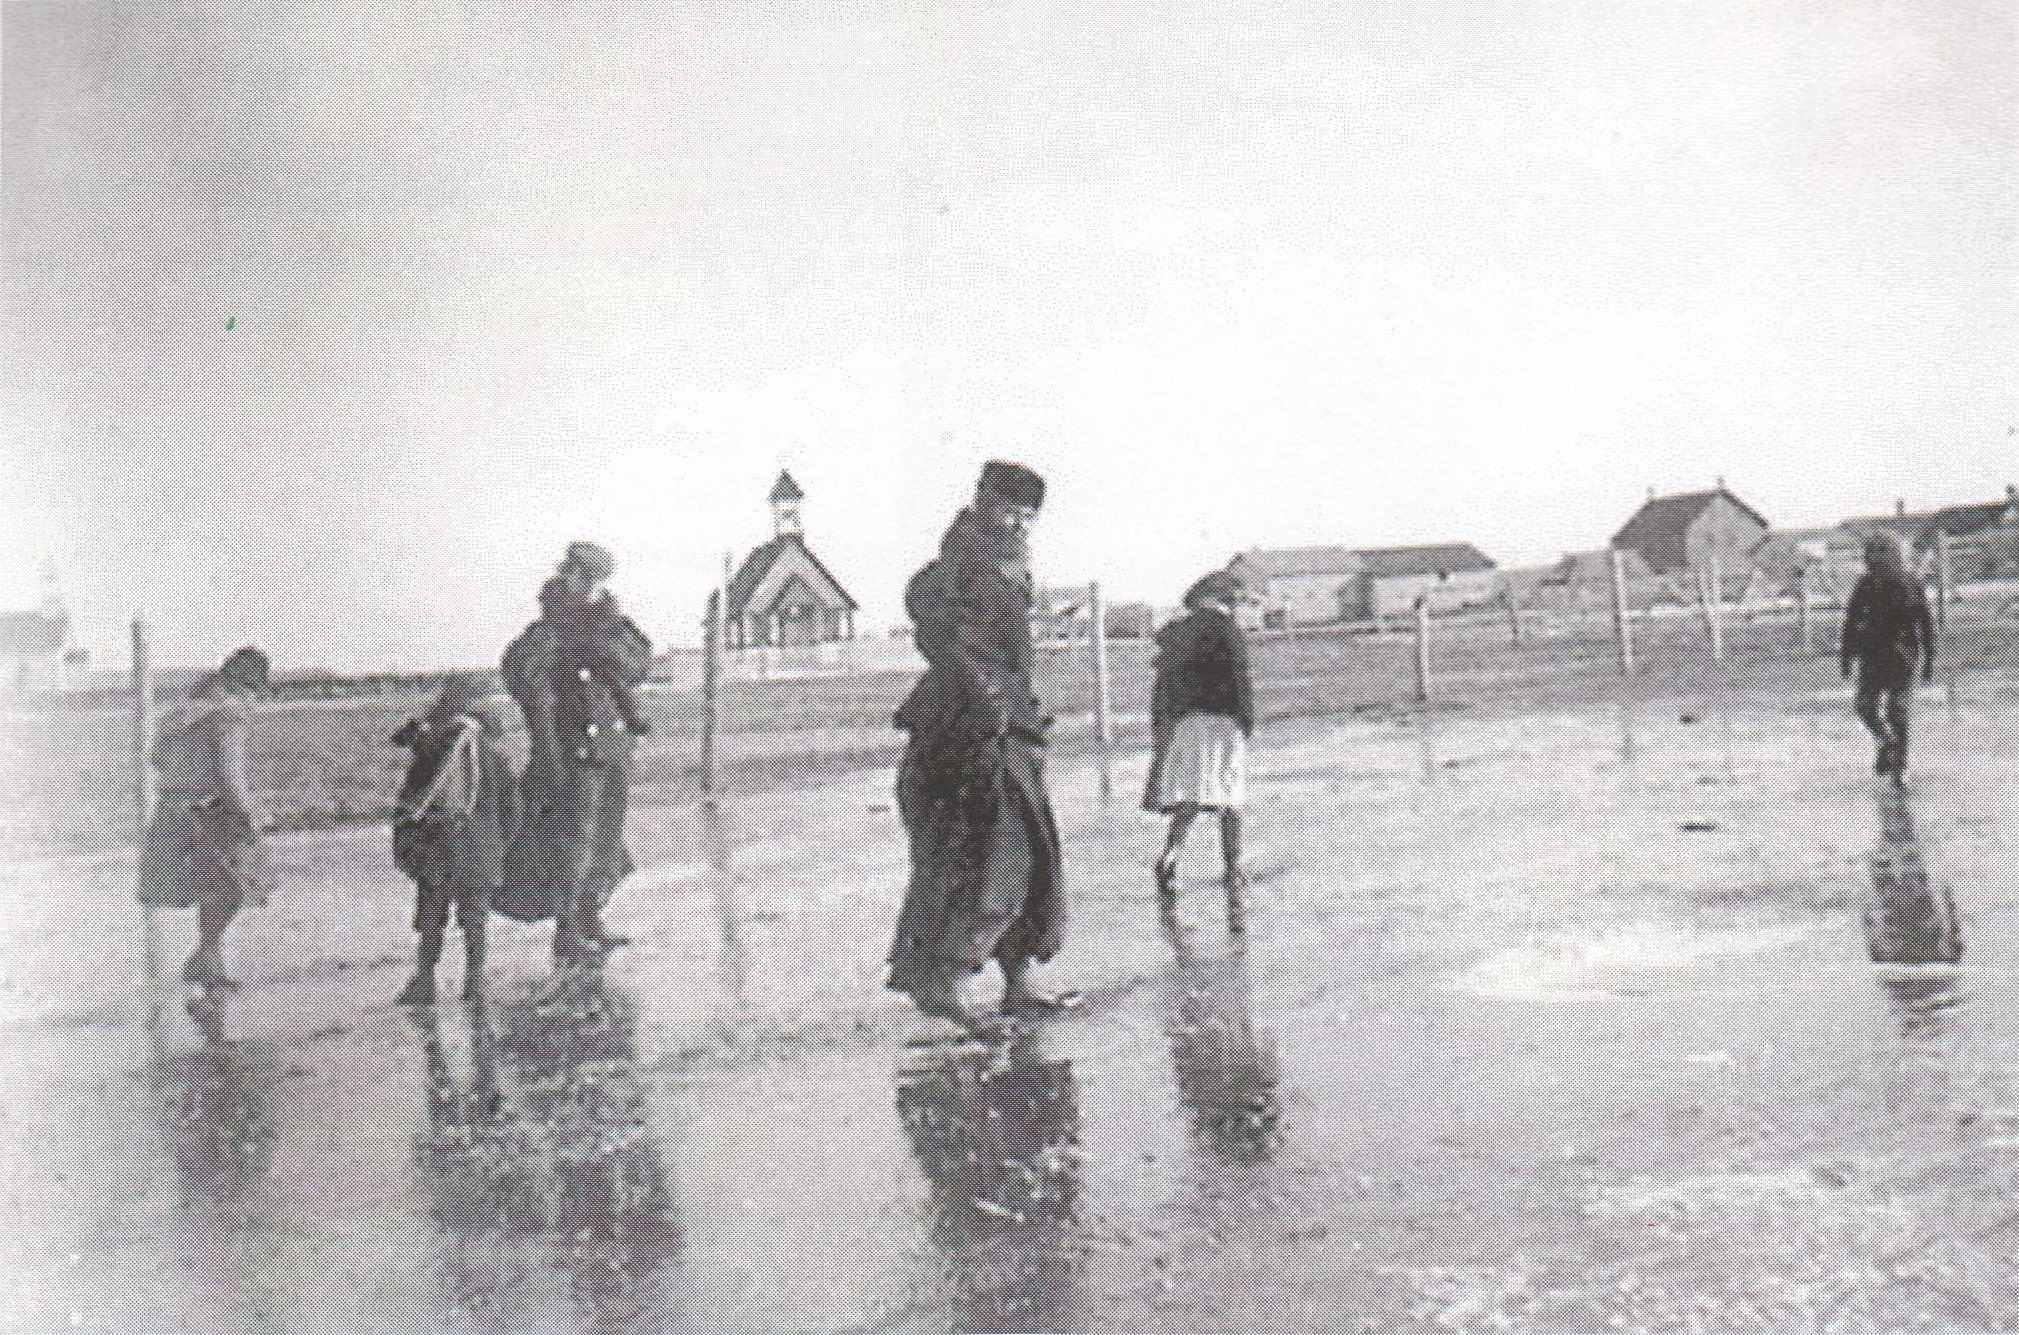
509,813
1925,622
1244,683
963,609
234,728
1854,624
620,651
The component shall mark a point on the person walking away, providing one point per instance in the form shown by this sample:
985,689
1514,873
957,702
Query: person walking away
1887,628
574,673
456,813
1203,701
986,866
203,846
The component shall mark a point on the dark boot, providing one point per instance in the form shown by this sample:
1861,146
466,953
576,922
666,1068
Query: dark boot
420,989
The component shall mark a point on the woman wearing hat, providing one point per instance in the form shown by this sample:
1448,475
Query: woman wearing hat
203,846
986,881
1202,710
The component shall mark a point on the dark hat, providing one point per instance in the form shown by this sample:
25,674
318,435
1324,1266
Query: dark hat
593,559
1221,587
462,693
1012,482
246,667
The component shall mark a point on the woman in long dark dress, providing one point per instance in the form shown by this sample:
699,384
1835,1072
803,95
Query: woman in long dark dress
986,880
203,846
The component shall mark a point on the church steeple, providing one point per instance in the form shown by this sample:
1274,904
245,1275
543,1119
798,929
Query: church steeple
785,499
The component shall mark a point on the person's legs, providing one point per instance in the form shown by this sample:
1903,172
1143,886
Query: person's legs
1868,705
1230,843
431,919
214,913
584,796
474,911
606,856
1182,816
1899,708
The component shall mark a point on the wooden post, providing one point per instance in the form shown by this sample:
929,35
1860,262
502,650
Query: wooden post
143,728
711,680
1943,584
1104,730
1423,647
1806,611
1709,595
1513,615
1622,623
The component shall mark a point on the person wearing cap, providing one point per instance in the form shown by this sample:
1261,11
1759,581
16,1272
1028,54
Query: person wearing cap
203,846
574,672
986,866
1887,629
1202,712
457,810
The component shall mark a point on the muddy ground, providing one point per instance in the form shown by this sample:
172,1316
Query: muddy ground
1590,1019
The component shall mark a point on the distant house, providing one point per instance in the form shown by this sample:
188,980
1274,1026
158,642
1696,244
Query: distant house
1296,586
1063,615
1677,536
1581,583
37,643
1824,561
782,594
1452,575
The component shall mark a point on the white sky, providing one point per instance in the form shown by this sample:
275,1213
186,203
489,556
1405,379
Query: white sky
1230,274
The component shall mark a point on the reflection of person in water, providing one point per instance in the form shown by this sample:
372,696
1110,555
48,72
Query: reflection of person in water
558,1150
1226,1077
217,1102
1910,920
997,1133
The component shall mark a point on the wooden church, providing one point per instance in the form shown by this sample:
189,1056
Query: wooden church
782,594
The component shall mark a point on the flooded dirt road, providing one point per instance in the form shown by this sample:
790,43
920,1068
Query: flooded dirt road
1593,1020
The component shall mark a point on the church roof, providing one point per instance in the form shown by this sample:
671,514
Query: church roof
785,489
750,575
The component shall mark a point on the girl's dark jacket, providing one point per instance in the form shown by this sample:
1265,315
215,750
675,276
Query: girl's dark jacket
458,838
1887,629
1202,668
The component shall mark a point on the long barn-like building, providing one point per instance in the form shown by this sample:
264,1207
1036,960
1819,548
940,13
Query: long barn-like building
782,594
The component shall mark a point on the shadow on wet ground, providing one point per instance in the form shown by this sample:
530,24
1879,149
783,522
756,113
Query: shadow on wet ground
1606,1019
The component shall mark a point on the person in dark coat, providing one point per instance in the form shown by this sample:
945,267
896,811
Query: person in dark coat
1202,712
1887,630
574,673
203,846
986,866
457,811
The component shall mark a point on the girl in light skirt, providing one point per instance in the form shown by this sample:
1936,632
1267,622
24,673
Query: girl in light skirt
1202,712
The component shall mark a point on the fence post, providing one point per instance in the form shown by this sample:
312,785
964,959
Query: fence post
1943,584
1423,648
1622,623
711,680
143,727
1513,614
1806,610
1104,730
1709,595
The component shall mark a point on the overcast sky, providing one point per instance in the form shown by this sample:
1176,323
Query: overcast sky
1230,274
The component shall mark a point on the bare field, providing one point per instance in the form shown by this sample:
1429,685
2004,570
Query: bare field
66,778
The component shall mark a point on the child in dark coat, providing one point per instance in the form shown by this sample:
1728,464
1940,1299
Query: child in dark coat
457,811
1888,632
